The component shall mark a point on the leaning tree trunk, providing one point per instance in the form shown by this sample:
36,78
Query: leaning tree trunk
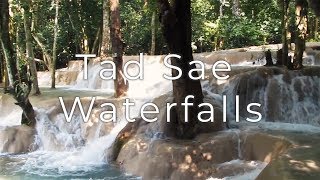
117,48
301,32
176,26
20,89
47,57
29,49
54,50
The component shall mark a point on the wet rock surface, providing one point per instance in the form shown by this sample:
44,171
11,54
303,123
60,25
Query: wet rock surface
302,161
208,155
17,139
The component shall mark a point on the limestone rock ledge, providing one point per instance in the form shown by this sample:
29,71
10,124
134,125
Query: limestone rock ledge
205,156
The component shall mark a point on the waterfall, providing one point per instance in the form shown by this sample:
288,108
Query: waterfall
285,96
63,149
79,148
152,85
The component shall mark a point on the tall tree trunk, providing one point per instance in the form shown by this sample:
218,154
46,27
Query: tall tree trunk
117,48
20,85
85,43
285,33
301,32
29,48
316,28
5,78
54,51
153,33
105,46
221,10
236,8
1,67
176,25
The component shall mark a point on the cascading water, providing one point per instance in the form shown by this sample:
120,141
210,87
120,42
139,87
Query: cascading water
64,150
287,97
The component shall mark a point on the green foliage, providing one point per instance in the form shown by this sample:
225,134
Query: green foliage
203,12
239,32
259,23
79,20
136,19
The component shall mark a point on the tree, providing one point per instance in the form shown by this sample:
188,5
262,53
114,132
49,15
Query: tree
151,6
300,32
175,18
285,32
236,7
54,50
105,46
1,67
117,48
153,33
29,47
20,83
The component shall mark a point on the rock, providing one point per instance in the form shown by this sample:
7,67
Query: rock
62,77
200,158
300,162
177,159
262,147
17,139
75,65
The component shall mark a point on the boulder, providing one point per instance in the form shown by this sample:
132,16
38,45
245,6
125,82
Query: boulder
17,139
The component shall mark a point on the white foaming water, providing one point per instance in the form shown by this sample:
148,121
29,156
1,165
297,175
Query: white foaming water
63,148
94,81
57,134
64,151
79,158
152,85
